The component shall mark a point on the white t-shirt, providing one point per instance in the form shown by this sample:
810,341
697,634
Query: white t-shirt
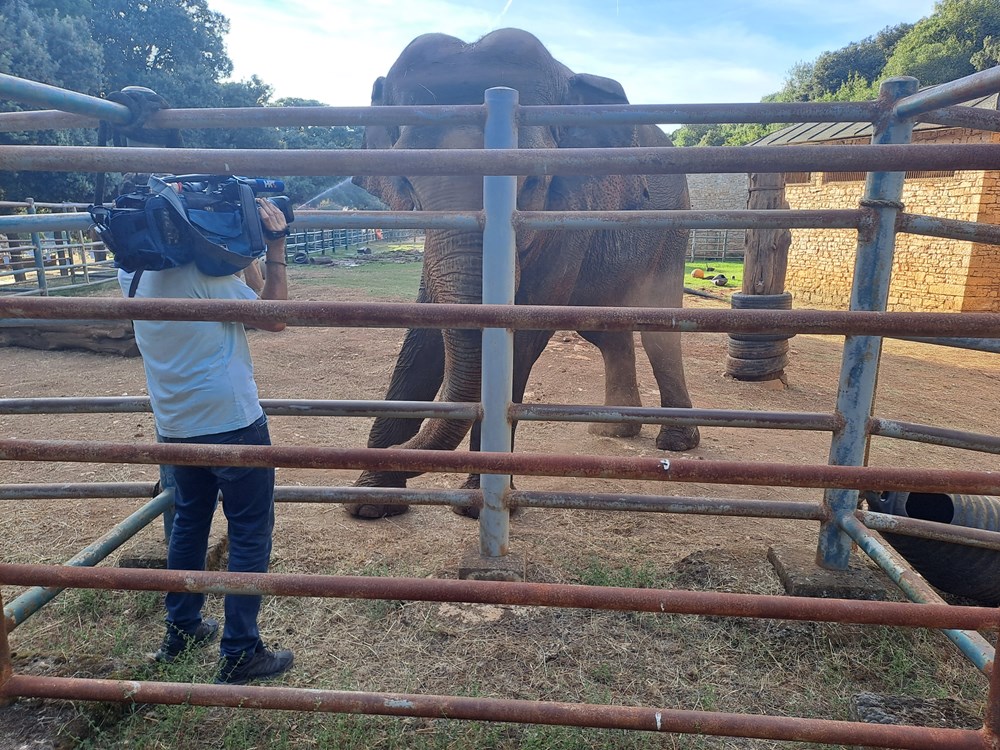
199,374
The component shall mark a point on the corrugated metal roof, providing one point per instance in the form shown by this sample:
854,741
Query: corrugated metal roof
813,132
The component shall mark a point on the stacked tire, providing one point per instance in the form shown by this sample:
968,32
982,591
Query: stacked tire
758,356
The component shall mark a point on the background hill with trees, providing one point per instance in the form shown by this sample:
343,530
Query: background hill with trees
175,47
959,38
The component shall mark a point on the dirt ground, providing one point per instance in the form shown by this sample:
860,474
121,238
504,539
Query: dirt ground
918,383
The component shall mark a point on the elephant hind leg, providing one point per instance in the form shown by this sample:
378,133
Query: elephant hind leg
620,385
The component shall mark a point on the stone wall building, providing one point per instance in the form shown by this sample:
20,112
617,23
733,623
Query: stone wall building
716,192
928,274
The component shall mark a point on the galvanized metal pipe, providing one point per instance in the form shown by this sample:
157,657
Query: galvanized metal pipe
976,648
983,83
76,491
973,118
499,263
667,415
979,345
34,599
554,161
528,464
520,317
634,718
705,506
689,219
870,291
43,95
942,532
922,433
36,250
936,226
634,114
6,661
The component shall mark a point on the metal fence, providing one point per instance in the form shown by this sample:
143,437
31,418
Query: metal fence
878,218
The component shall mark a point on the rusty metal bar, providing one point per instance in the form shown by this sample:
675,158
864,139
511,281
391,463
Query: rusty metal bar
922,433
664,601
635,718
976,648
554,161
522,317
529,464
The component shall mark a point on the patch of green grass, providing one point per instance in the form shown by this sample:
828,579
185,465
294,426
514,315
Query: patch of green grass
643,576
393,282
732,270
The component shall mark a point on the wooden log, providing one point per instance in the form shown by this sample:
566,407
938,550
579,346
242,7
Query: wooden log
765,260
99,336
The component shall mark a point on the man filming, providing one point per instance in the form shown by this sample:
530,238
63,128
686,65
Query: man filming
199,375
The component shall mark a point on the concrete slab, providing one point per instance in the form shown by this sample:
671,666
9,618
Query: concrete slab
475,567
801,576
938,713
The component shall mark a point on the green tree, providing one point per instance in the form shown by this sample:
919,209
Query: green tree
941,47
38,43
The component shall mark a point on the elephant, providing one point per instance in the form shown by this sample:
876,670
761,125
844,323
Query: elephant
621,267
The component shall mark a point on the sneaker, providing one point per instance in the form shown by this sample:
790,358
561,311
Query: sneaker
261,664
176,642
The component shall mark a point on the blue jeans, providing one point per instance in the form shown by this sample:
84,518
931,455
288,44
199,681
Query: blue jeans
248,503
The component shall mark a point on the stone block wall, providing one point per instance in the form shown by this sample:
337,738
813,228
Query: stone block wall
928,273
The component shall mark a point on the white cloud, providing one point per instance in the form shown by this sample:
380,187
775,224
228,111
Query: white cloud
664,51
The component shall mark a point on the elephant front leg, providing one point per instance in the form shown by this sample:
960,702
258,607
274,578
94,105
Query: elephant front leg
620,386
664,352
417,376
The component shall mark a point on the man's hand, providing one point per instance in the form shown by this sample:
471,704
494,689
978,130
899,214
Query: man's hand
271,216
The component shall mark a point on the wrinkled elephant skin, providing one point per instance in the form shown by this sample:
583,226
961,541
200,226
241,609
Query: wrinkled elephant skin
627,267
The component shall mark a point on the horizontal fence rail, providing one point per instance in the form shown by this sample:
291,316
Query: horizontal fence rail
539,161
521,317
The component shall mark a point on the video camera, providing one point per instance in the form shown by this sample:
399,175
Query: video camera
225,187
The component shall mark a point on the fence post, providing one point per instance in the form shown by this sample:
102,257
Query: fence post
36,242
870,291
499,204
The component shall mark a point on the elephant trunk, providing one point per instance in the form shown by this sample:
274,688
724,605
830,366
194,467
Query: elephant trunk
453,272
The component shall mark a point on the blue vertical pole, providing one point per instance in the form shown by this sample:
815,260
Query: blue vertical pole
870,291
36,242
499,204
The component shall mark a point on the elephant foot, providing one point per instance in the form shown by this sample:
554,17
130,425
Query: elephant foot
373,511
615,429
678,438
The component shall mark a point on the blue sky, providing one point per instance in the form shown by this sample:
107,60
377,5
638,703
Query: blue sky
662,51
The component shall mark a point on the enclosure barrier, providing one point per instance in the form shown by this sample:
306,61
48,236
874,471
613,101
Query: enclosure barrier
877,220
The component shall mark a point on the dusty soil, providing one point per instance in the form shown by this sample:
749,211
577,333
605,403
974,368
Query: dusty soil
918,383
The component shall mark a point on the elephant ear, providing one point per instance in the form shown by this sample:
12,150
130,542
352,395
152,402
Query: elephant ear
390,190
584,88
